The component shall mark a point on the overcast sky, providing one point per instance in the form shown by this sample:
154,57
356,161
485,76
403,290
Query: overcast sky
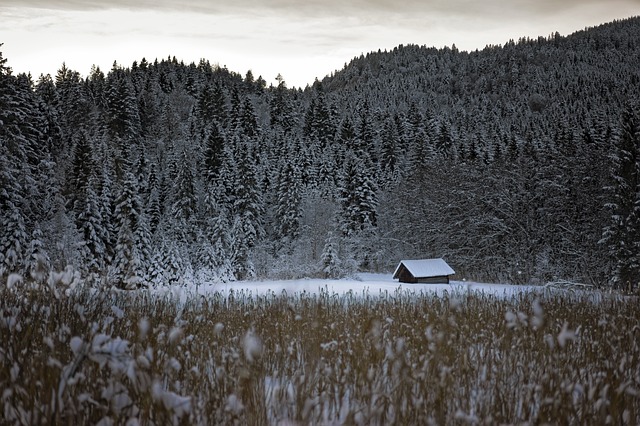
300,39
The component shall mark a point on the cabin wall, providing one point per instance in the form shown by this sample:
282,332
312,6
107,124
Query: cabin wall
405,276
433,280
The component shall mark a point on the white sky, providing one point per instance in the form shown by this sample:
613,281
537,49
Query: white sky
301,39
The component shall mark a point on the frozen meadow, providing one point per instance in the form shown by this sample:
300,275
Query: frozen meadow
361,285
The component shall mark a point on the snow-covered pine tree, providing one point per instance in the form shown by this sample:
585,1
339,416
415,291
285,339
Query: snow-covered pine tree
358,199
319,123
213,154
184,200
330,259
219,106
167,267
444,141
364,142
622,235
37,262
154,204
15,173
248,203
47,97
347,135
13,231
248,211
73,104
77,180
249,120
235,114
94,231
221,247
288,204
123,114
240,243
281,110
389,152
133,244
205,108
213,257
326,176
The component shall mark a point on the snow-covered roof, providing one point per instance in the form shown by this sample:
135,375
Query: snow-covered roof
425,268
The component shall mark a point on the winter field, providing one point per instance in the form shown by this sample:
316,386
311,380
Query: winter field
359,351
363,284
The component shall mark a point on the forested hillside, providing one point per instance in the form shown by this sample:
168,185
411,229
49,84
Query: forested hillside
516,163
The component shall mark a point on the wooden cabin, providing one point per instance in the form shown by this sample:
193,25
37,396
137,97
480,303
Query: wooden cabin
429,271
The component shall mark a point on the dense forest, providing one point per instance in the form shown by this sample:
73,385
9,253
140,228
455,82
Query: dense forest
517,163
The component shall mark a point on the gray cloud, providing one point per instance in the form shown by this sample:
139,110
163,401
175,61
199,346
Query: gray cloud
486,8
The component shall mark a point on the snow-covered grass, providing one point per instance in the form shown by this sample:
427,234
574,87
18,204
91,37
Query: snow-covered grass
361,351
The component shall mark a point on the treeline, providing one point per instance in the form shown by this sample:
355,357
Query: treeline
516,163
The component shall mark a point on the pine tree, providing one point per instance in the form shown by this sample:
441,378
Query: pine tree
106,203
37,262
330,258
365,139
248,211
167,268
205,105
319,122
78,177
94,232
73,103
444,140
25,146
248,203
622,236
48,98
281,109
288,204
213,154
219,111
358,198
123,114
390,146
13,230
240,242
235,116
249,120
154,208
132,250
184,205
347,135
214,256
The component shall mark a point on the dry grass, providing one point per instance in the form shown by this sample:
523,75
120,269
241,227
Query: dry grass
137,358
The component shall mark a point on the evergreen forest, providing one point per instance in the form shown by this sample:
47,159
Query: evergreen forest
517,163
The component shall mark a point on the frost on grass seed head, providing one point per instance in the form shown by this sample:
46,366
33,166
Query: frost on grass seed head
218,328
566,335
171,401
252,346
76,344
175,335
13,280
143,328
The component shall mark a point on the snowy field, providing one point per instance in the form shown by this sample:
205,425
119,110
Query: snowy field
363,284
